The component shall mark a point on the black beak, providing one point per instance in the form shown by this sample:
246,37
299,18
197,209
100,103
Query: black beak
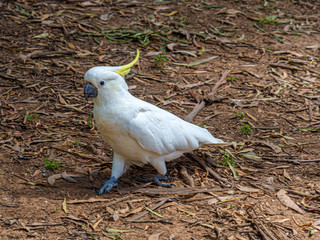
90,90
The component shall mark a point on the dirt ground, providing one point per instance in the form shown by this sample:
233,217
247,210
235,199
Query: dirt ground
254,63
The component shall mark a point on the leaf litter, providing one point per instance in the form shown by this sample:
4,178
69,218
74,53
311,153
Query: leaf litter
266,68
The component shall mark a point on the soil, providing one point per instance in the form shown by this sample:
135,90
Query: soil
53,160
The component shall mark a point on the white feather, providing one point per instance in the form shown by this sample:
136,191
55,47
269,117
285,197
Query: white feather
137,131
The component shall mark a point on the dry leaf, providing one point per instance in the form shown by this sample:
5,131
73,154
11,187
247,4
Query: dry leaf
115,217
313,47
134,211
90,200
287,201
252,117
154,236
106,17
124,210
286,175
316,223
225,198
68,178
234,172
70,45
186,177
36,172
64,205
213,201
95,225
52,179
281,220
247,189
170,46
172,13
250,155
75,218
61,100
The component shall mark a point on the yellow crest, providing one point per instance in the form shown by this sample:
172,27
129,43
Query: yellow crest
126,68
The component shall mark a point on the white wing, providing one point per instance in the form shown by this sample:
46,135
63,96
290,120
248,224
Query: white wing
159,131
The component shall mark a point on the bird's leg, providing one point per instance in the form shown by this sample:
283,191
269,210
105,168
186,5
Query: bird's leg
119,166
160,166
157,179
110,183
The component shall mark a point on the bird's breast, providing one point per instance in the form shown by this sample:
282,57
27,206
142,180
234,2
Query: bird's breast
113,132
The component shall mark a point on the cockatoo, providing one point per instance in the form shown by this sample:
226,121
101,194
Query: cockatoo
137,131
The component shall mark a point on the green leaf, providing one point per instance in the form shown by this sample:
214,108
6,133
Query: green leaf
187,212
155,213
256,26
24,12
42,35
311,129
280,40
242,37
286,137
115,237
112,236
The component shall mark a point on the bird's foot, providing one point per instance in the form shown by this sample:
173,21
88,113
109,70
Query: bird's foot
157,179
110,183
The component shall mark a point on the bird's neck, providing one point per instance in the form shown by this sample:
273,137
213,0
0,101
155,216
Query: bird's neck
112,94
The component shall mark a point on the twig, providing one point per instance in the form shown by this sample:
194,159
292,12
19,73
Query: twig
219,83
14,205
211,161
94,200
140,215
82,155
292,160
262,233
44,224
152,221
285,66
39,54
118,200
192,85
194,157
177,191
210,98
16,175
195,111
310,109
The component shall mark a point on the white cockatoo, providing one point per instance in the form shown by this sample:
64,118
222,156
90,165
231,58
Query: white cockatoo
137,131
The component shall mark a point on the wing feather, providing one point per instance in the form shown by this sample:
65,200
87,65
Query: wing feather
159,131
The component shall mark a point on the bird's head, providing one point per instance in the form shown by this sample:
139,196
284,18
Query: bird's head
98,78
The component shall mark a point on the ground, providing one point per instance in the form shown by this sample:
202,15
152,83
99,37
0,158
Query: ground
255,65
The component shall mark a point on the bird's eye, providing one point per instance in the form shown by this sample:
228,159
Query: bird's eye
102,83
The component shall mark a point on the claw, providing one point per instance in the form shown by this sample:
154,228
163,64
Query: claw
157,179
108,185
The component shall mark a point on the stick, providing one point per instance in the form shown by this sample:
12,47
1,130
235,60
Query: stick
292,160
213,173
199,107
219,83
152,221
39,54
195,111
94,200
177,191
163,201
